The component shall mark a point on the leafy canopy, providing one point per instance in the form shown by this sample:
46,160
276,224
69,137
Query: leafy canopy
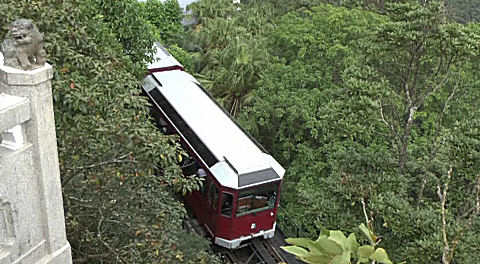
117,169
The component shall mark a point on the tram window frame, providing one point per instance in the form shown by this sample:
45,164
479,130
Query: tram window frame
253,195
228,211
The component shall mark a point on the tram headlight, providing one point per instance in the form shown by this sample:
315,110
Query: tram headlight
253,226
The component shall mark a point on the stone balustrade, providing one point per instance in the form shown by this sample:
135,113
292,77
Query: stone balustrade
14,112
32,223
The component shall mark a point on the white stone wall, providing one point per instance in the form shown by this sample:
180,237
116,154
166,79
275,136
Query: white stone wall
32,223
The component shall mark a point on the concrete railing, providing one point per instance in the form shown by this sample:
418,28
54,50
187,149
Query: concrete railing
32,223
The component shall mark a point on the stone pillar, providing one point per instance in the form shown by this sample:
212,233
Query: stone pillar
32,223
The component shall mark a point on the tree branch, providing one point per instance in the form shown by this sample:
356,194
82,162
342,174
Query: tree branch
443,200
393,132
367,221
120,159
434,88
436,145
476,211
89,257
449,248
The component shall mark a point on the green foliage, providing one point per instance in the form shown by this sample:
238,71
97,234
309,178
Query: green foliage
133,32
464,11
365,105
295,115
118,170
230,49
165,16
334,247
183,57
234,72
333,108
206,10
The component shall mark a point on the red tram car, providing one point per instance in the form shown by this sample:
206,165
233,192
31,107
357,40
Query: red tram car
240,193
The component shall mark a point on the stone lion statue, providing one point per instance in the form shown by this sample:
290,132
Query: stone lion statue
23,46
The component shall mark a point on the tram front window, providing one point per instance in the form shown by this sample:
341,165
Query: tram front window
256,200
227,204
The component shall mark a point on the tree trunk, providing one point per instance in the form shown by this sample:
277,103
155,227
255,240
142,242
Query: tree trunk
402,154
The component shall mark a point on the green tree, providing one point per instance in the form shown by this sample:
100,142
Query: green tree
205,10
463,11
362,108
415,59
294,112
413,78
165,17
117,169
230,48
367,106
134,32
234,71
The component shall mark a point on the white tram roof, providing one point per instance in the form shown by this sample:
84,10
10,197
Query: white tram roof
162,59
238,162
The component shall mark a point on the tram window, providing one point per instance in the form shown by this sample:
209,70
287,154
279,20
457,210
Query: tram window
227,204
183,127
213,195
256,200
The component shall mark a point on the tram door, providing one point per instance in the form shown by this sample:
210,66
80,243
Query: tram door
225,219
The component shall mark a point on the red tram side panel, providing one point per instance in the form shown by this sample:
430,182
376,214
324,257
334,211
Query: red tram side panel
242,183
235,216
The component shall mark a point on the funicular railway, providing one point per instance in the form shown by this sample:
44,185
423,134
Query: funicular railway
238,204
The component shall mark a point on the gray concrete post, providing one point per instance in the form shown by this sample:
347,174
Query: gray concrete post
32,223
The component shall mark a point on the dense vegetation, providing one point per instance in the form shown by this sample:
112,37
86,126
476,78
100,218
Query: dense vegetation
464,11
372,106
117,169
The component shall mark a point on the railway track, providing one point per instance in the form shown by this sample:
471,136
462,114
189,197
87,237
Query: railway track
255,251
